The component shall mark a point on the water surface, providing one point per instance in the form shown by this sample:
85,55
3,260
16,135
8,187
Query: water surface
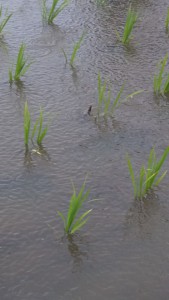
122,252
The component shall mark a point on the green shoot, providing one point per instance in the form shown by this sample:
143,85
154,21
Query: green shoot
54,10
75,49
65,55
128,28
167,20
21,65
104,99
101,95
148,177
38,128
5,20
161,80
27,123
72,223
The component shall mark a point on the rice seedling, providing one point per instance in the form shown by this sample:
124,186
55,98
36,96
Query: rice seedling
39,130
72,223
5,20
52,13
148,177
161,80
167,20
105,107
27,124
75,50
128,28
21,65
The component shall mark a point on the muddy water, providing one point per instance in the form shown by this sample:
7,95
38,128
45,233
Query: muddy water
122,253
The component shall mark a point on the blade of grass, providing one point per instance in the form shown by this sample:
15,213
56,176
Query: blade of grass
76,48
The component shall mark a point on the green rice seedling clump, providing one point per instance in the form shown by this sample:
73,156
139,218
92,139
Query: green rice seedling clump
105,106
167,21
161,80
72,222
38,130
52,13
21,65
128,28
4,21
148,177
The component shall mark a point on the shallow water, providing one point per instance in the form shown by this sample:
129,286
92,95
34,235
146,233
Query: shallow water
122,252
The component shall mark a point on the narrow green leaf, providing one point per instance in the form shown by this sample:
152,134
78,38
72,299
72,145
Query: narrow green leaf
132,175
80,221
160,178
62,217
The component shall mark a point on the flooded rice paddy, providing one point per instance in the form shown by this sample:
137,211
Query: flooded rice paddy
123,251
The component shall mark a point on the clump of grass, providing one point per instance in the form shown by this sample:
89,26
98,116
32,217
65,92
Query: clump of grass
37,130
167,21
148,177
21,65
105,106
72,223
128,28
52,13
5,20
161,80
75,50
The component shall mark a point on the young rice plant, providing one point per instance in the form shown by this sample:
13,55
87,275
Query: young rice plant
161,80
148,177
128,28
21,65
72,222
75,50
52,13
38,130
104,99
4,21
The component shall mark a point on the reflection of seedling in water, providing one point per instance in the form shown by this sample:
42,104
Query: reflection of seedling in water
75,49
128,28
167,20
21,65
104,99
53,12
161,80
38,129
5,20
148,177
71,222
